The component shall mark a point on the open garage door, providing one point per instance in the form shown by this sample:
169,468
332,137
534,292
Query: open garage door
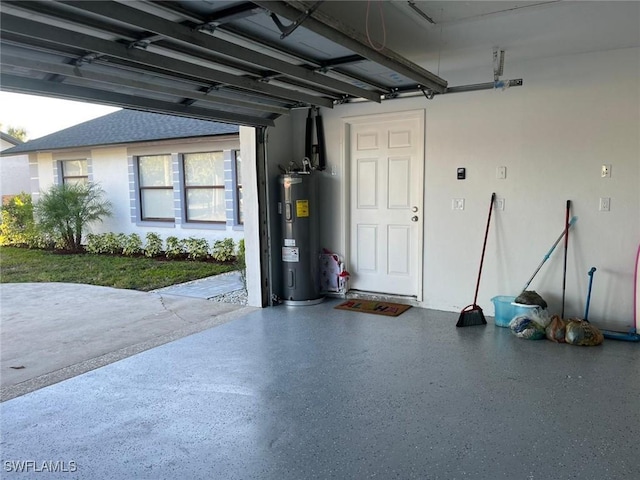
240,62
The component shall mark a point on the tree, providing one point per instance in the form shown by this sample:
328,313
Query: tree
18,132
66,211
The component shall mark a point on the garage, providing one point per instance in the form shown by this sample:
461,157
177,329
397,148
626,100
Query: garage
527,100
466,75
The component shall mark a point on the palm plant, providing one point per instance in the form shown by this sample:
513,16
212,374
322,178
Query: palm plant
66,210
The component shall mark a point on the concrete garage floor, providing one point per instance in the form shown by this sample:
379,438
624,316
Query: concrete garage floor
314,392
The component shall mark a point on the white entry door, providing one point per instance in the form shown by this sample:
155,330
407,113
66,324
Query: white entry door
386,201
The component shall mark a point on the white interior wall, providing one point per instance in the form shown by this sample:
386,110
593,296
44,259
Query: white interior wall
573,114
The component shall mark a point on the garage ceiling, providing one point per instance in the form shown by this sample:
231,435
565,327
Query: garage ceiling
457,43
240,62
249,62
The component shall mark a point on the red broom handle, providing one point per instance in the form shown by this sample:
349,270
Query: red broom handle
484,247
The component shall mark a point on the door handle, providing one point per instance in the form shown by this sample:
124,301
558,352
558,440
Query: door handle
414,218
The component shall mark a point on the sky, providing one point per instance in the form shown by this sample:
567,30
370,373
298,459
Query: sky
41,116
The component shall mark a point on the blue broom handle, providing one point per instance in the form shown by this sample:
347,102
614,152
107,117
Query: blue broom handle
573,220
586,310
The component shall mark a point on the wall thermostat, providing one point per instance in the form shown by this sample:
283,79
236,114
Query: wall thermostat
462,173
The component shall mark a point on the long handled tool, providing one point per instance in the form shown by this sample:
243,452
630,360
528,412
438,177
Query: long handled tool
472,314
578,331
546,257
586,307
566,249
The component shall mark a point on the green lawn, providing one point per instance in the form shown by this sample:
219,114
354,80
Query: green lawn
20,265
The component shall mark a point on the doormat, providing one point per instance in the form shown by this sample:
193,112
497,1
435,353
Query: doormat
372,306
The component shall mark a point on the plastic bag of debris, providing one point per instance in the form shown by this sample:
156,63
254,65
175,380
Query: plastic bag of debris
541,317
524,326
556,329
581,332
531,297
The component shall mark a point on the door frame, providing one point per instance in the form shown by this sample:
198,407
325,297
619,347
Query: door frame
348,122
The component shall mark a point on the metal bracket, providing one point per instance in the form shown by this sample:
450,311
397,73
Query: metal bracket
141,44
287,30
209,27
88,58
427,92
393,93
275,299
342,100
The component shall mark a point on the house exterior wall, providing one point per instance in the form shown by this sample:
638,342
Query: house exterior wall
42,169
573,114
113,168
14,173
110,172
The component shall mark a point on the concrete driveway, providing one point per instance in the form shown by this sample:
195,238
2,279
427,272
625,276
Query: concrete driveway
53,331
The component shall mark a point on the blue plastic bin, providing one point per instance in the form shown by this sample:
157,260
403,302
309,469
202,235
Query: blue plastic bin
520,309
505,311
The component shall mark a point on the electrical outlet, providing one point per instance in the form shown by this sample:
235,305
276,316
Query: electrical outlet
500,203
501,173
605,204
457,204
605,172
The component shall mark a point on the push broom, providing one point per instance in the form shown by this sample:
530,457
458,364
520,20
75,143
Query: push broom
472,314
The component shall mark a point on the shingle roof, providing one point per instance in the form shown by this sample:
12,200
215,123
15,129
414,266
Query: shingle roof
124,126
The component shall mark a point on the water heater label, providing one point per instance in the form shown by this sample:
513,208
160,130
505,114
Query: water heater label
289,242
302,208
290,254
